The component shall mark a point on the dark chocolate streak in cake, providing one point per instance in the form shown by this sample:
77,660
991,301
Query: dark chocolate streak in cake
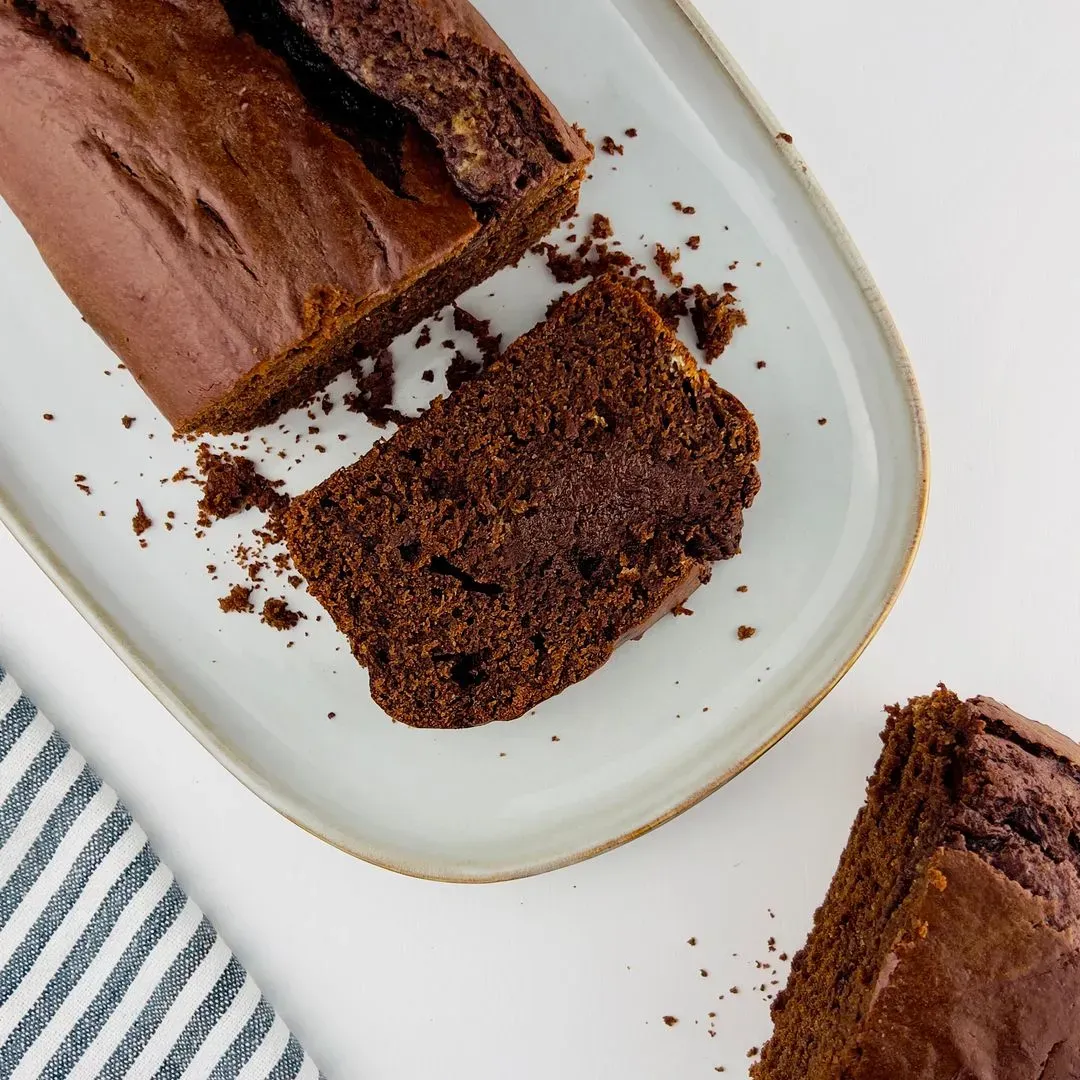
499,134
1018,808
372,126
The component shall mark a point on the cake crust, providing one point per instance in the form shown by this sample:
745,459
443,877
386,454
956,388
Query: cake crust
979,985
222,227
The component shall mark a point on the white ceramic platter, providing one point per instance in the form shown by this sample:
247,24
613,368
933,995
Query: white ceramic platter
671,717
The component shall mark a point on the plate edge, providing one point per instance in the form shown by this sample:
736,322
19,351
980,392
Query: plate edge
232,759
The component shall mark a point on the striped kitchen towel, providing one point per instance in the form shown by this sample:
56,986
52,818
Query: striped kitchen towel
107,969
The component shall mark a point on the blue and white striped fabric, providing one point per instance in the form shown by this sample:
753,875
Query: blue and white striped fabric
107,969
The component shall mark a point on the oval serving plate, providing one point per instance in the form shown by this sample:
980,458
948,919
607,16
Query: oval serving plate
670,718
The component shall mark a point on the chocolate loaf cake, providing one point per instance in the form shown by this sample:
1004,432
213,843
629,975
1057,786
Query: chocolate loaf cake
237,203
948,947
501,547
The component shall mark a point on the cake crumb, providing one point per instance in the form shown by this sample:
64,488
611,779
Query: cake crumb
785,136
601,227
745,632
760,364
715,318
424,337
554,738
733,989
141,521
375,392
782,956
630,133
277,613
237,599
47,416
743,588
428,376
703,973
461,371
753,1051
610,146
666,259
693,242
683,209
81,484
127,421
231,483
772,944
671,1021
681,609
691,941
488,343
822,420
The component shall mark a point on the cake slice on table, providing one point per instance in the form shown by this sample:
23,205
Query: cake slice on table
235,206
501,547
948,947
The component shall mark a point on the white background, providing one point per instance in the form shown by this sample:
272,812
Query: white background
948,137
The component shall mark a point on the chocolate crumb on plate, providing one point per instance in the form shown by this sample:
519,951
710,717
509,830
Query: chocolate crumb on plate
743,588
487,342
428,376
127,421
671,1021
231,483
424,337
716,317
822,420
785,136
693,242
610,146
375,392
237,599
601,227
760,364
141,521
630,133
277,613
745,632
81,484
666,259
461,370
47,416
683,209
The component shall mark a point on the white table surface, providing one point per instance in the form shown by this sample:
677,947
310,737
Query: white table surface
946,136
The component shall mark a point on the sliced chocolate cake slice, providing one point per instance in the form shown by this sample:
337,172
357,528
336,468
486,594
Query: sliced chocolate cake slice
501,547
